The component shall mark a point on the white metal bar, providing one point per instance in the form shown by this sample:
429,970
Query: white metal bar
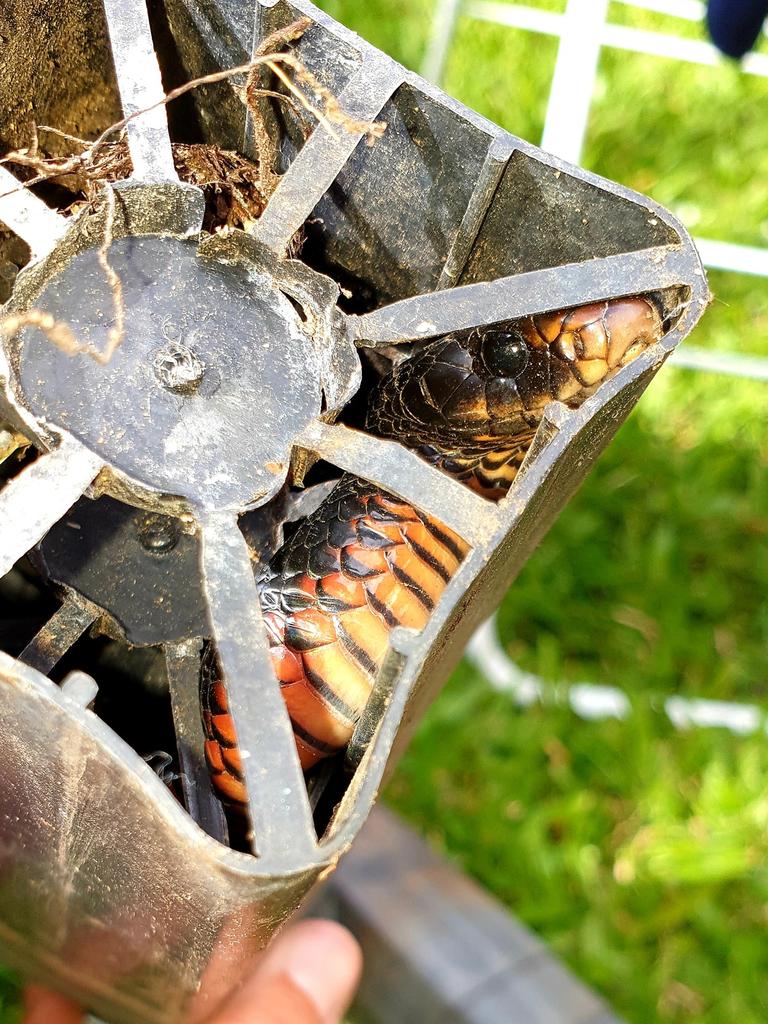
743,259
570,99
569,103
441,37
688,10
622,37
733,364
26,215
573,81
140,85
514,15
594,701
693,51
40,496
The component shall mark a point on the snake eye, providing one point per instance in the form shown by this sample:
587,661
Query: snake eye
505,354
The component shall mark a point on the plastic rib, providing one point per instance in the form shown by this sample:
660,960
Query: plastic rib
508,298
485,187
61,631
399,471
323,155
183,667
26,215
40,496
277,797
140,85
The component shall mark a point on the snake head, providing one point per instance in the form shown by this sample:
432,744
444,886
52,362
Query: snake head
494,383
595,340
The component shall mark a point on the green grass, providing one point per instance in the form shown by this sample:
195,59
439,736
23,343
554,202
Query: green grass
10,998
655,576
637,851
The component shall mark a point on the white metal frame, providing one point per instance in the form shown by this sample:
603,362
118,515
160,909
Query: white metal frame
598,701
584,29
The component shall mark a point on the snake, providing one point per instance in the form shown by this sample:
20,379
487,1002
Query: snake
365,560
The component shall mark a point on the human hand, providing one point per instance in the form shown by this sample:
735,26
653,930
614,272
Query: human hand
307,976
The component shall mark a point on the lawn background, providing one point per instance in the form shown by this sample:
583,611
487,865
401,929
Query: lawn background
637,852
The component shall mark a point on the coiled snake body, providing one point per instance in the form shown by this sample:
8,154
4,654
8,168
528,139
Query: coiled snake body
366,561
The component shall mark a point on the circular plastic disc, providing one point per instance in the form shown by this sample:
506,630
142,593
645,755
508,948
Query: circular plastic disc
211,383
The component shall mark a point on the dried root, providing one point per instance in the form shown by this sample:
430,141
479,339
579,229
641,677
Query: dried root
231,184
236,189
103,159
59,333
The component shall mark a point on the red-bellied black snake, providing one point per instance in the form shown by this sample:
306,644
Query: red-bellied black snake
366,561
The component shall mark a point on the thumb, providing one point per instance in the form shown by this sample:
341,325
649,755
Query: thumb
307,976
43,1007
